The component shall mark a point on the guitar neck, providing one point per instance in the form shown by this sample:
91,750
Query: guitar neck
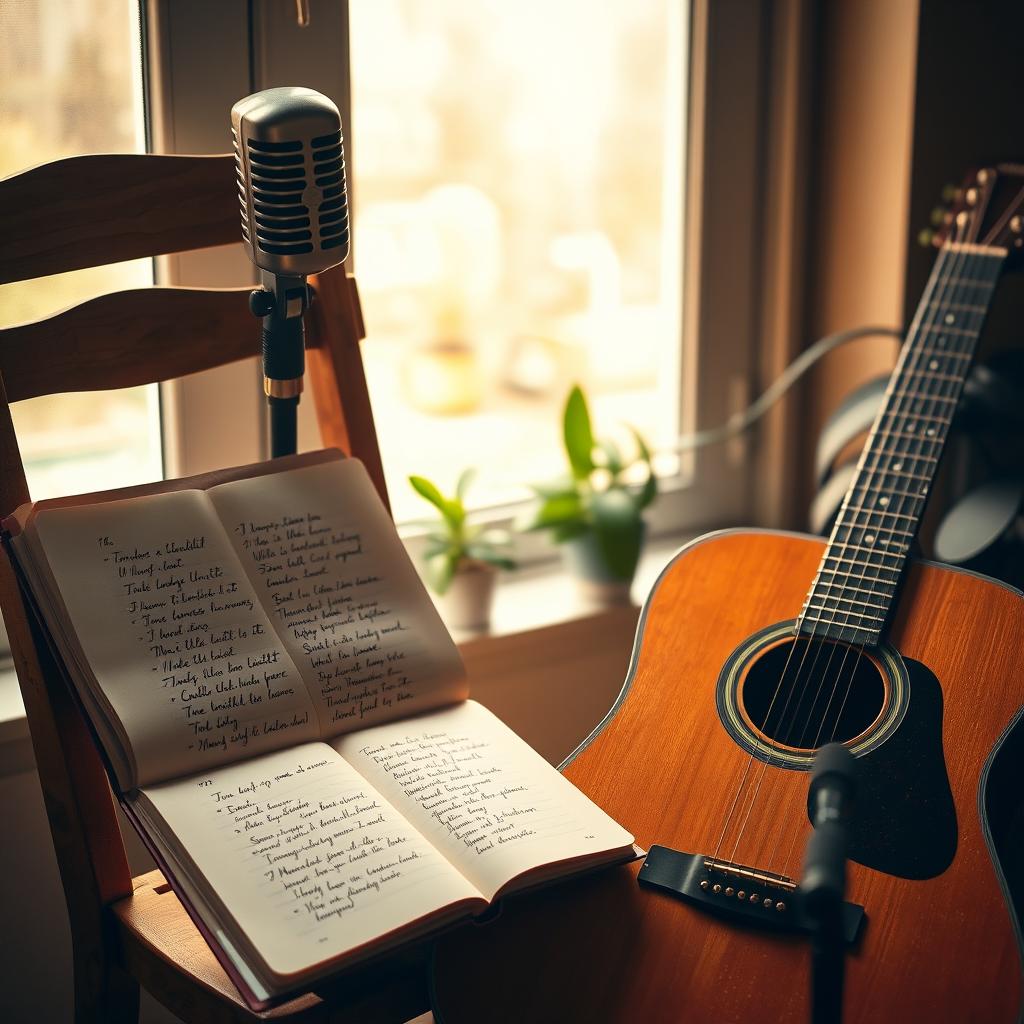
854,590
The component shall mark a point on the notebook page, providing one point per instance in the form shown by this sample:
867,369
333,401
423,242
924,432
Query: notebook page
342,593
182,651
491,804
304,854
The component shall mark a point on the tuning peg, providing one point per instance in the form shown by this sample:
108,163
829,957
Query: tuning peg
951,194
925,237
938,215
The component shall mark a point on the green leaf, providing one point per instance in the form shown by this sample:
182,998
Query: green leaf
555,511
612,457
452,511
490,556
645,452
579,438
462,486
440,569
618,529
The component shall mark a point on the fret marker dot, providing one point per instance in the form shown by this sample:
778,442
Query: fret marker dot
950,318
931,431
910,427
897,466
869,538
933,365
883,501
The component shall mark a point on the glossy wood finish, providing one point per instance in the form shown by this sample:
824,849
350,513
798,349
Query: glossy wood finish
88,211
602,949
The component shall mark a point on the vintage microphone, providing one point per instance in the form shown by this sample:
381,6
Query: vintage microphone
290,165
830,799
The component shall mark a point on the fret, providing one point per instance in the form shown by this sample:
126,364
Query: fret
910,435
861,509
946,328
957,305
973,281
894,414
845,611
865,525
860,547
849,600
899,472
850,632
945,353
889,491
928,398
862,576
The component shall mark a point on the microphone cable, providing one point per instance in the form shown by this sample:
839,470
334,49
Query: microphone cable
746,418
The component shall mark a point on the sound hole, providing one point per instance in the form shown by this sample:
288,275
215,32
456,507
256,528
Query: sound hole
828,691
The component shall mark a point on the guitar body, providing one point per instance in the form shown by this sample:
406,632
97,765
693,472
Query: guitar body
940,941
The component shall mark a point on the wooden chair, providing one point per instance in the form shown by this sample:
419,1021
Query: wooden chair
89,211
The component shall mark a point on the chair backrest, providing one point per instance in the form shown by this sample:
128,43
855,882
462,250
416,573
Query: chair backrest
92,211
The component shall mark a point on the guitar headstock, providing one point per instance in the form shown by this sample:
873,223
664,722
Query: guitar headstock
988,209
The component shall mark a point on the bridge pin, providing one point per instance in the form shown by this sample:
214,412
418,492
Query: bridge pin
729,890
705,884
768,904
741,895
780,906
716,888
754,897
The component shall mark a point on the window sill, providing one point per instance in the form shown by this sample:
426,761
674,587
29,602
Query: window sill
541,599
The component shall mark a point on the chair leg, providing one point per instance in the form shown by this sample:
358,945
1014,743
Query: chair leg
113,999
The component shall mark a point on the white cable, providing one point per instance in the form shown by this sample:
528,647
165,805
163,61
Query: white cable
746,418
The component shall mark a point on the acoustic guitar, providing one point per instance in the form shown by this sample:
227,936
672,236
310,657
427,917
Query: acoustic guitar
739,673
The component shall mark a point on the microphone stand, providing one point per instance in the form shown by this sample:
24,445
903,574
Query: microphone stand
280,303
823,883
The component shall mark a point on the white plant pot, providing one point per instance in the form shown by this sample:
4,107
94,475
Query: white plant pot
467,602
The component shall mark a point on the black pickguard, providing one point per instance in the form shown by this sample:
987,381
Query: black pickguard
905,822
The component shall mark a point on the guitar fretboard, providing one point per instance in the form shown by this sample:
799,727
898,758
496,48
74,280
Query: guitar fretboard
853,592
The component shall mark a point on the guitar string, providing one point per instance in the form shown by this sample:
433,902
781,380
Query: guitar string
927,412
736,801
863,480
808,643
956,386
878,462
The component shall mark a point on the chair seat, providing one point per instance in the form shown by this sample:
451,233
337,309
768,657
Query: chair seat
160,946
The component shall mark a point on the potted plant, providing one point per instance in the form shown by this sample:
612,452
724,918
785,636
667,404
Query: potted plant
461,560
596,513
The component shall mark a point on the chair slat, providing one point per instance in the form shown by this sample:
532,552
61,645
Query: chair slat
88,211
126,339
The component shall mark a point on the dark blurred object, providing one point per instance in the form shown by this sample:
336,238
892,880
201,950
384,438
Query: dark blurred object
981,525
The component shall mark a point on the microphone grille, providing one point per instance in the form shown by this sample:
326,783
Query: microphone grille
290,169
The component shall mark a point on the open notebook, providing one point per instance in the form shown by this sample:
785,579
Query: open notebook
287,720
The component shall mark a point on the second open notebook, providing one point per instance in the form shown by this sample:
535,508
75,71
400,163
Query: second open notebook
286,717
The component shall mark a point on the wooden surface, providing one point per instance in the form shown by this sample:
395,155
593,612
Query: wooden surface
88,211
128,338
604,950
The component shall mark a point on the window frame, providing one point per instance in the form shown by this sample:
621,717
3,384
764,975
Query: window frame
192,79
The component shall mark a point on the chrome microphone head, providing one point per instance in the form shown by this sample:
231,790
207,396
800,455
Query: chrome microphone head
290,165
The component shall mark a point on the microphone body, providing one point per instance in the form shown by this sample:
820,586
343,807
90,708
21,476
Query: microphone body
290,170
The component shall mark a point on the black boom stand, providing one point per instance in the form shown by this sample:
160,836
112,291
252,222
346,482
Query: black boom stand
280,303
823,884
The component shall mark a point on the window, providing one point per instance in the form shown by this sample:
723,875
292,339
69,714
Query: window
70,83
517,219
497,261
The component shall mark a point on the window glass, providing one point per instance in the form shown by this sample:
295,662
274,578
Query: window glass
516,175
70,83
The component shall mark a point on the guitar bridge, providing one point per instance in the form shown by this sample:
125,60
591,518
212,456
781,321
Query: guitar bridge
744,894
